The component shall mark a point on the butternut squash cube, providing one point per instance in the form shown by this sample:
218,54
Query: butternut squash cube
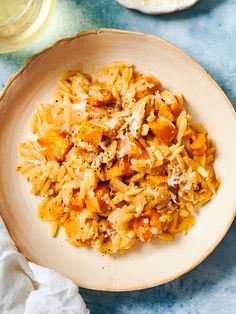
199,145
100,191
176,109
89,133
154,181
165,111
163,130
71,227
57,145
122,167
51,212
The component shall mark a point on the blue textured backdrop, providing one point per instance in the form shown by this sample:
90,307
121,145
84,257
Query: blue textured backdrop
207,32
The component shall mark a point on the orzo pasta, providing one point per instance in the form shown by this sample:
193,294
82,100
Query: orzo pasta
117,160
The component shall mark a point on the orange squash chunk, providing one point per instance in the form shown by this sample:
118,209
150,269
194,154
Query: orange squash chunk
154,218
163,130
52,212
89,133
154,181
100,191
71,227
176,109
165,111
57,145
140,152
104,98
122,167
126,165
132,148
199,145
188,132
76,203
143,229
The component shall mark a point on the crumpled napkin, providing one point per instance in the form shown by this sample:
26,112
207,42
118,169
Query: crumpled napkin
31,289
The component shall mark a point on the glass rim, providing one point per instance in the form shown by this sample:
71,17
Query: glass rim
14,20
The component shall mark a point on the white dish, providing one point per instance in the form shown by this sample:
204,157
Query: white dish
157,6
146,265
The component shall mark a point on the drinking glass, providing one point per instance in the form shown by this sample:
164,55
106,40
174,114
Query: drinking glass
21,21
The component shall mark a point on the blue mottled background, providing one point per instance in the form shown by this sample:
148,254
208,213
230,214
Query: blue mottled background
207,32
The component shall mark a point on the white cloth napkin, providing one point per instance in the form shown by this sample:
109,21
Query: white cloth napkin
31,289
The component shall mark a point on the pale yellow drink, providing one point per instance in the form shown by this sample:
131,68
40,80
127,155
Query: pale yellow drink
10,9
21,21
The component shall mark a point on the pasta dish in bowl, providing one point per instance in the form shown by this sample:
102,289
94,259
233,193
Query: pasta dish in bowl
117,160
122,145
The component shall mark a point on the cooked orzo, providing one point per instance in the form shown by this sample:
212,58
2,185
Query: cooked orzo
117,160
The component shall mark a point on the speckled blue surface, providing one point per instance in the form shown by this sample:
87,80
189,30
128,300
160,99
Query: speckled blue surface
207,32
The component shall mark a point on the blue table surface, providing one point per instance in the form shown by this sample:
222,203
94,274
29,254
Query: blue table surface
207,32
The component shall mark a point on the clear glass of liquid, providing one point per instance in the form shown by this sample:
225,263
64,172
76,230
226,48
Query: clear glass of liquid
21,21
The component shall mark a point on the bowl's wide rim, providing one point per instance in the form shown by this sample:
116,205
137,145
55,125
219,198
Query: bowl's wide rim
158,10
199,68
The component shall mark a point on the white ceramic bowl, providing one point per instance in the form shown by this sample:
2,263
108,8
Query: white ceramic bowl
146,265
157,6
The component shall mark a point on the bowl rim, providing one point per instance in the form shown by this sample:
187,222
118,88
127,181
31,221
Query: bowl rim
197,66
155,10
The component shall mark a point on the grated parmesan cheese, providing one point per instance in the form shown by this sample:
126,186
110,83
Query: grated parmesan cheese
81,105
